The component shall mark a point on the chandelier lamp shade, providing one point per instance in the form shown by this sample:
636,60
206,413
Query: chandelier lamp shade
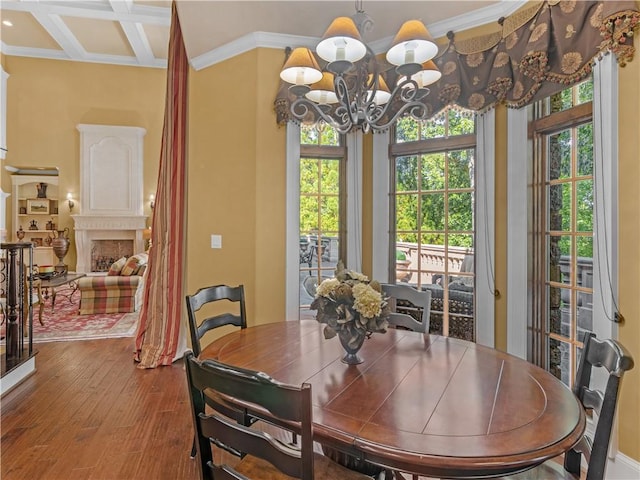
351,91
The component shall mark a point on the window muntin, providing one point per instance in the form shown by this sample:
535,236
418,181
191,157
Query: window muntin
450,122
322,217
433,215
564,269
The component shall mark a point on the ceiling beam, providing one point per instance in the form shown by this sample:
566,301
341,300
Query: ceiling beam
99,11
135,32
59,31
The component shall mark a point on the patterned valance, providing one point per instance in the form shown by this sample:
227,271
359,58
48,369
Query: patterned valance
540,50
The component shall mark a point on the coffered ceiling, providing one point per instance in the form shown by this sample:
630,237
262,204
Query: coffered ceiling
136,32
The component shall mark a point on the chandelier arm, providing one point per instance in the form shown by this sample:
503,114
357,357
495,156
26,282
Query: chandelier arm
409,94
348,108
301,107
416,109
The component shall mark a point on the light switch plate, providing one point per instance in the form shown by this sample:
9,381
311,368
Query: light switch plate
216,241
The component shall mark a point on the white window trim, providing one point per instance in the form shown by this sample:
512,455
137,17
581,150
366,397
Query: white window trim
354,214
354,201
605,146
3,112
485,221
605,121
380,229
485,228
292,255
518,239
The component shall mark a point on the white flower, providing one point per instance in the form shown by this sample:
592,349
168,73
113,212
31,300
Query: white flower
327,287
358,276
366,300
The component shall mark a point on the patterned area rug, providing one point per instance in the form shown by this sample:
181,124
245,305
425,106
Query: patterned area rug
64,323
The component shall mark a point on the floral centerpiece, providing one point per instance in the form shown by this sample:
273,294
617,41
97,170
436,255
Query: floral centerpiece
352,307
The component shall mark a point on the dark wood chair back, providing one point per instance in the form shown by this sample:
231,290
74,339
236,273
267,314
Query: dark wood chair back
197,328
612,357
421,301
615,359
290,404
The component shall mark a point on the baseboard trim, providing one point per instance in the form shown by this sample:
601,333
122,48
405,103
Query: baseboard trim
17,376
622,467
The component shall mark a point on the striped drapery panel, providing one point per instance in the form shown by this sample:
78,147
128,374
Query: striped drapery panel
160,316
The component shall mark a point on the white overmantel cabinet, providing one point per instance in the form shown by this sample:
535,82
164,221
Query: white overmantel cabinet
111,159
111,188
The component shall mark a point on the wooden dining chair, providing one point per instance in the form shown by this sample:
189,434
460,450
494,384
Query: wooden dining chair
199,325
614,358
259,455
420,303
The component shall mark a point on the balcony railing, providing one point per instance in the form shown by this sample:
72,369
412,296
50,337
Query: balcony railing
16,315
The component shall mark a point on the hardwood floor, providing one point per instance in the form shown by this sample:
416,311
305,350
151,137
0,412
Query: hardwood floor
89,413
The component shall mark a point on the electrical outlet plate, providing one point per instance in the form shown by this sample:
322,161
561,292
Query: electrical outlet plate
216,241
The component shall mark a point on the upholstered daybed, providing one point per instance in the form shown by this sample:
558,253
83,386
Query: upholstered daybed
120,291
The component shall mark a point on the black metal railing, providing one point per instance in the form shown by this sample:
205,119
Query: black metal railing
16,294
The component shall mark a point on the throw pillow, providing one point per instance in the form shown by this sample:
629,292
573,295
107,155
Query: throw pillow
133,264
116,267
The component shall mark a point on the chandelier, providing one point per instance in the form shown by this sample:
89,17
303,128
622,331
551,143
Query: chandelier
351,91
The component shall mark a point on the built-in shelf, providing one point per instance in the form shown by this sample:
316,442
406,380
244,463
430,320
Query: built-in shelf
29,209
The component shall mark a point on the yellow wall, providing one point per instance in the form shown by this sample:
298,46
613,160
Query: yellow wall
237,182
236,174
629,252
46,100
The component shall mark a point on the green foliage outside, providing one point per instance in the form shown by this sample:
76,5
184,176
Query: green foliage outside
425,182
319,195
560,195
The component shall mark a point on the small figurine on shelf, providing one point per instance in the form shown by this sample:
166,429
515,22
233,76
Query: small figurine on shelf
48,240
20,233
34,225
42,190
51,225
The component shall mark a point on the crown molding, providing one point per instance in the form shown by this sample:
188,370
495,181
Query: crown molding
88,58
130,14
250,41
482,16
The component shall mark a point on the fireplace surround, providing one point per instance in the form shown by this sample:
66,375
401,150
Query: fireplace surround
111,196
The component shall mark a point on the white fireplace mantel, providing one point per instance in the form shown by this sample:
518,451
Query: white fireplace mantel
92,227
111,222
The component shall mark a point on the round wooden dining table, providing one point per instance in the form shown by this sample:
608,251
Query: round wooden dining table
422,404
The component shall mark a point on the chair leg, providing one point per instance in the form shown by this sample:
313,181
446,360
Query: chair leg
193,449
395,475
